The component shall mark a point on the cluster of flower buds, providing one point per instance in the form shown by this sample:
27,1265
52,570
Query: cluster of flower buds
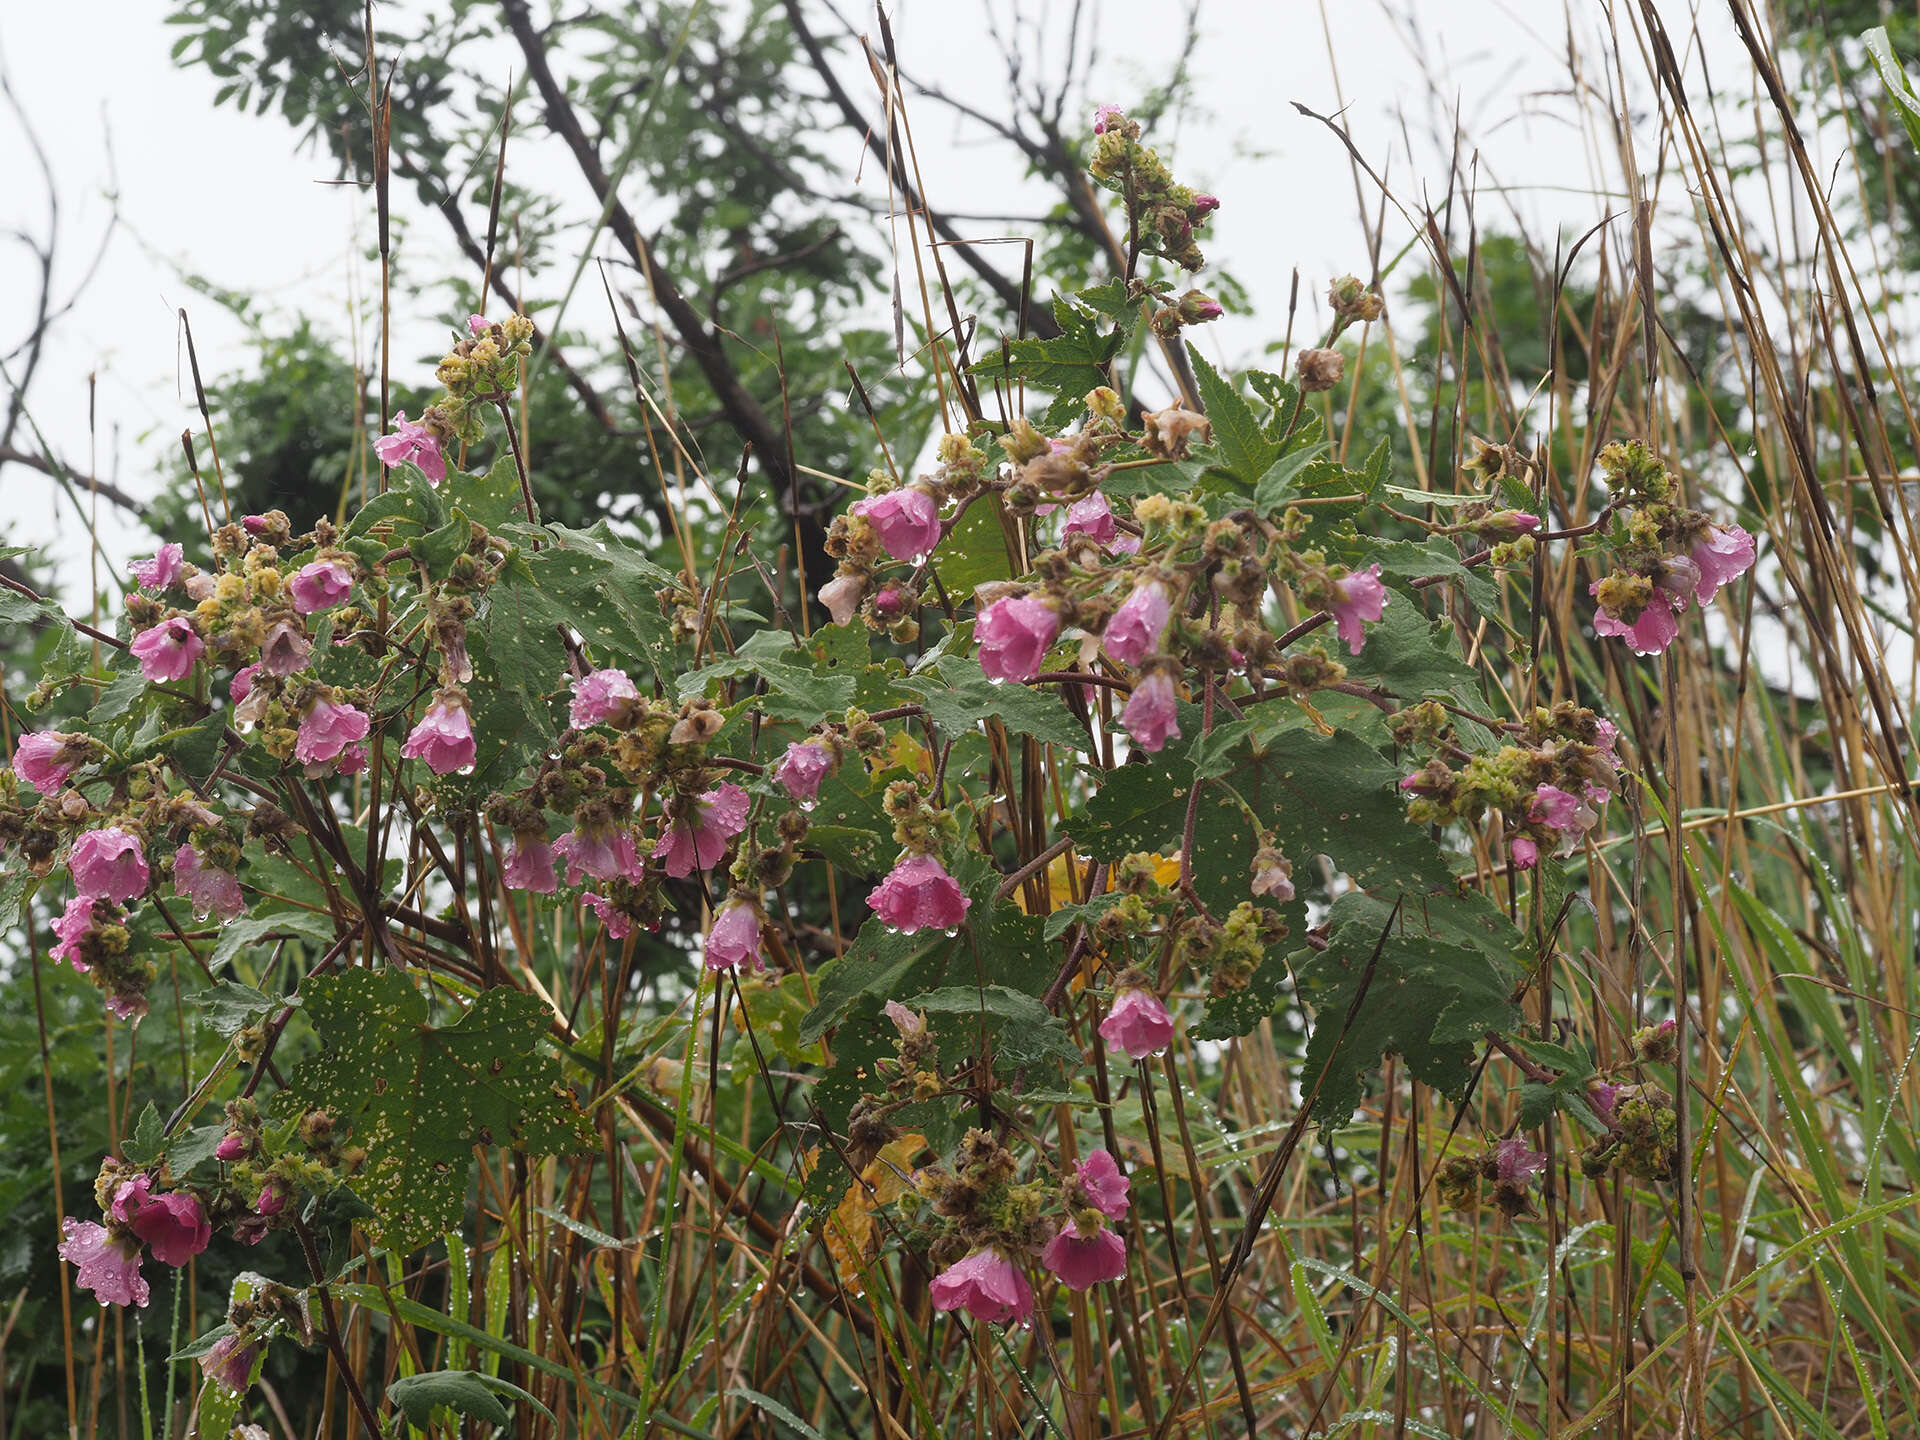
1665,556
1510,1167
1643,1132
1163,213
989,1225
1548,783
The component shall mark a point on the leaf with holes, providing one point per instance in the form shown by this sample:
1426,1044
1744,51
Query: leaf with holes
419,1097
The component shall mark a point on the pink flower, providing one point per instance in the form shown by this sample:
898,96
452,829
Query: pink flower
1150,715
109,1268
1138,1023
619,924
167,650
802,768
734,941
319,585
1523,853
231,1147
1655,628
477,325
842,596
212,891
1603,1097
919,895
162,570
987,1285
908,1022
411,442
173,1225
327,731
41,760
241,685
1204,205
1104,116
444,736
1135,629
1359,596
284,651
273,1198
73,927
1106,1186
529,865
1274,878
908,521
605,852
1515,1163
1723,556
1082,1262
697,841
600,698
230,1361
108,864
1013,635
1093,518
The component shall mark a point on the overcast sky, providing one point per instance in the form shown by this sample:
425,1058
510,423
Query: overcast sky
226,195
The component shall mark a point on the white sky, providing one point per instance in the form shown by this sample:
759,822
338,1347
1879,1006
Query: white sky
225,195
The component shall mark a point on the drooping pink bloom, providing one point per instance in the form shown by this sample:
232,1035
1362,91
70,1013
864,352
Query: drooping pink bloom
444,737
320,584
241,685
802,768
327,731
987,1285
1358,597
352,760
1151,715
1523,853
230,1361
477,325
842,596
1091,516
734,941
42,759
1135,629
919,894
109,1268
173,1225
1106,1185
1515,1163
1651,631
211,891
696,841
285,650
108,864
1083,1261
73,927
162,570
619,924
167,651
907,1021
529,865
601,698
412,442
1013,635
1273,877
1138,1023
1723,556
1603,1097
605,852
908,521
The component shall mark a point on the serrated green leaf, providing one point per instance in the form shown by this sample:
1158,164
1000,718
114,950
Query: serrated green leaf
974,552
490,500
959,696
1024,1031
1245,449
149,1135
228,1005
420,1097
1275,488
251,929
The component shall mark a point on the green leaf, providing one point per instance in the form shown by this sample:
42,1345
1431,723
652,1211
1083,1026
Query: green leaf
229,1005
149,1135
963,697
117,698
413,503
437,549
809,679
1893,76
778,1411
490,500
594,581
1276,486
1237,1011
1245,448
252,929
1069,364
193,1148
420,1097
462,1391
974,553
1025,1032
1429,1001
